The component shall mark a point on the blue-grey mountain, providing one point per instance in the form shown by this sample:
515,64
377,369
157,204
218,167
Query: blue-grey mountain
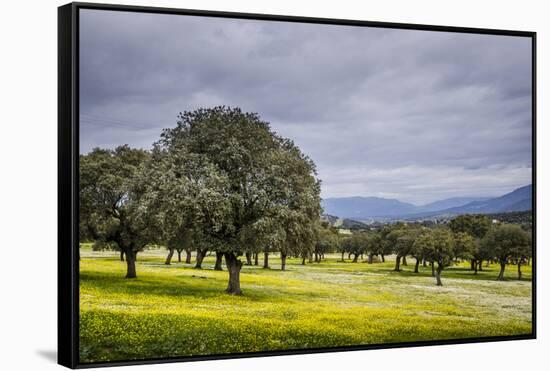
451,202
360,208
518,200
365,208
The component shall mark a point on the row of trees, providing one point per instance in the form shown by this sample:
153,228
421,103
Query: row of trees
468,237
219,181
222,182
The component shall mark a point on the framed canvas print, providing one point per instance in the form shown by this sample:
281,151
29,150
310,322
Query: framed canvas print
237,185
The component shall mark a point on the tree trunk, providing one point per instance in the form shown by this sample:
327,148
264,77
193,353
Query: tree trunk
135,256
416,265
266,260
349,256
397,263
405,260
169,257
355,256
383,259
304,260
248,258
438,274
218,265
316,258
310,257
370,259
472,264
234,268
519,269
342,256
283,261
475,266
121,255
256,262
424,262
433,268
130,264
200,257
179,256
187,256
480,265
501,274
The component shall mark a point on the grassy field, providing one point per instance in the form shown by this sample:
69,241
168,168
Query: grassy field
180,311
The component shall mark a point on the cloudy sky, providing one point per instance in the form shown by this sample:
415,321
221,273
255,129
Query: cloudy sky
413,115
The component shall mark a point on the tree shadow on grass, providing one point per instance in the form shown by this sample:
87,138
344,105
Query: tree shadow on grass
488,274
197,285
115,283
406,272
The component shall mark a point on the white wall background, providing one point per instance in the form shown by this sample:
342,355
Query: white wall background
28,155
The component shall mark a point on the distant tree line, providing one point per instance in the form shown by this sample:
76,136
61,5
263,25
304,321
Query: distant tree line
473,238
523,218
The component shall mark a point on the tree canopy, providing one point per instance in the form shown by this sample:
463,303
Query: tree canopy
110,200
507,241
253,187
439,247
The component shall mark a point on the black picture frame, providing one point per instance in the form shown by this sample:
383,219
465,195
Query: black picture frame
68,186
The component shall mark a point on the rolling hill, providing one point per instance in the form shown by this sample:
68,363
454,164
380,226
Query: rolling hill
365,208
360,208
518,200
451,202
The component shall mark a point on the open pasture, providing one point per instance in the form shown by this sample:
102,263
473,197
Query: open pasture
176,310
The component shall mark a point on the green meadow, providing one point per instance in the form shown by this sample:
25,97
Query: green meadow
176,310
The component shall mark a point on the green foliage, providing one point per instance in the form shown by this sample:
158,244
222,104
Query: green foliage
220,180
386,247
475,225
507,241
376,244
523,218
437,246
259,180
469,230
328,240
356,244
225,179
401,240
109,198
466,246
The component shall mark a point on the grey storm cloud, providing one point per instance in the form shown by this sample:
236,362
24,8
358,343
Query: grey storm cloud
413,115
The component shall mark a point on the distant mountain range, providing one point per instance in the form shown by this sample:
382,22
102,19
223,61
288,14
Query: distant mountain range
451,202
369,208
360,208
520,199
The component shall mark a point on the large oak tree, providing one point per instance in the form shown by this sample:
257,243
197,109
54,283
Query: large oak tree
439,247
265,185
110,201
505,242
402,238
475,225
